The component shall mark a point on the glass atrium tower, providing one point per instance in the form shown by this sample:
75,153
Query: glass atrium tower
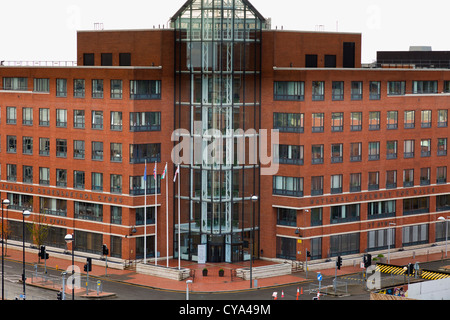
217,114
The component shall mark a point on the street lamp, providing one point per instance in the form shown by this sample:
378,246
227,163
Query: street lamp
4,202
187,288
69,238
389,241
25,214
446,232
254,199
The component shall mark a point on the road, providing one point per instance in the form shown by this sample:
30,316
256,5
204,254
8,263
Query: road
125,291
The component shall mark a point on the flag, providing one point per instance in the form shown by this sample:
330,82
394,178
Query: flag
176,172
164,172
154,171
145,172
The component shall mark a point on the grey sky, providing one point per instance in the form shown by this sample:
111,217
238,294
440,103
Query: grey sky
46,29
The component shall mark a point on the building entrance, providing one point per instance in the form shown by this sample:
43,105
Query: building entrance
216,252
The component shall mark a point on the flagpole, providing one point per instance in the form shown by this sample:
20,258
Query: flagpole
179,220
156,217
145,213
167,217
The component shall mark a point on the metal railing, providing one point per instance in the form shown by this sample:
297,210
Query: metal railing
38,63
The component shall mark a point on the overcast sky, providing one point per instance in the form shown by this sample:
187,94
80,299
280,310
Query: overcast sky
46,29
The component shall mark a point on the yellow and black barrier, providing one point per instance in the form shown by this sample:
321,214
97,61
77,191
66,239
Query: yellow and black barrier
433,275
389,268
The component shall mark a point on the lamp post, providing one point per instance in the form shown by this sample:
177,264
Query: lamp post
446,232
389,241
4,202
25,214
187,288
69,238
254,199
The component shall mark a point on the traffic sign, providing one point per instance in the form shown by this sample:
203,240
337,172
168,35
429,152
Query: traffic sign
319,276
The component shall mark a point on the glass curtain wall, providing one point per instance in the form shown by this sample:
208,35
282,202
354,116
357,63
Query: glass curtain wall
217,108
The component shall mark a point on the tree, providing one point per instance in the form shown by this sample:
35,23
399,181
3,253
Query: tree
38,229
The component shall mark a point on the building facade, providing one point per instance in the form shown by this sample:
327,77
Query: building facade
360,152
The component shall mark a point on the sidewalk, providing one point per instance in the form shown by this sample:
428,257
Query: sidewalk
210,283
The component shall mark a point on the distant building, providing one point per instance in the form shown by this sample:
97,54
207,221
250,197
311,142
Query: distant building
362,151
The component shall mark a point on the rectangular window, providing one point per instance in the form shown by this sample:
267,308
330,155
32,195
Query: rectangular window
44,146
289,154
330,61
356,121
116,215
116,89
27,116
17,84
44,176
409,121
141,152
61,148
78,179
11,172
97,181
317,122
425,118
424,87
61,118
396,88
317,154
41,85
425,176
442,147
44,117
125,59
425,147
318,90
78,119
408,151
336,184
289,91
288,122
391,179
286,217
311,61
416,205
391,149
61,88
357,90
61,177
415,235
355,182
287,186
375,90
137,185
337,93
27,145
337,122
97,150
441,175
145,121
316,186
442,118
374,120
116,121
392,120
88,59
336,153
11,144
355,151
78,88
145,89
116,183
374,183
106,59
286,248
381,209
97,120
374,150
97,89
116,152
88,211
11,115
27,174
54,207
408,178
346,213
78,149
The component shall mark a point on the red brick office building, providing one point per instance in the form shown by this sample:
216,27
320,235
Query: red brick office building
362,149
